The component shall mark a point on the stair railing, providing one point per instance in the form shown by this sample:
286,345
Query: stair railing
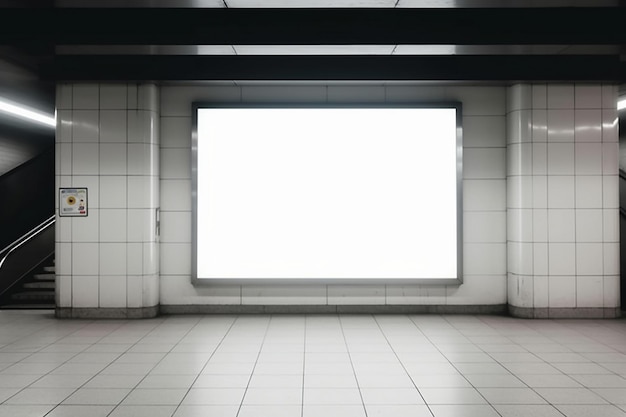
13,270
6,252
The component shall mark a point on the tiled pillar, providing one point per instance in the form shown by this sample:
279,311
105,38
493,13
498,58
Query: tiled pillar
107,141
562,203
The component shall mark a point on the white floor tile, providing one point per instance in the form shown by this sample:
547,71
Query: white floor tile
612,395
156,396
452,396
333,411
24,410
327,381
214,396
207,410
399,411
591,410
167,381
221,381
570,396
511,396
273,396
114,381
308,366
100,396
463,410
549,381
394,396
601,381
19,381
38,396
81,411
443,381
527,410
143,411
340,396
270,411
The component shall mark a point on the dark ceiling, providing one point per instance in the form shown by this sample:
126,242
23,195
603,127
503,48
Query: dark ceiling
467,40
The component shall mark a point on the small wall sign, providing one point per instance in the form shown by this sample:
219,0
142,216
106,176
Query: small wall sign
73,202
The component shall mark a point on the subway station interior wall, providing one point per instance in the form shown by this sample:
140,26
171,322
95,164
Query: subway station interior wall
484,196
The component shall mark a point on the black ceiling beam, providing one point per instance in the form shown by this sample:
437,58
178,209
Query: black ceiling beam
212,26
395,67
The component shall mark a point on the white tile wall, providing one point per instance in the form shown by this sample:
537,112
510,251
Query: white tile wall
588,159
589,125
413,294
561,158
85,291
113,126
561,125
355,294
484,195
589,226
483,131
561,225
561,191
287,295
99,126
112,259
575,175
589,291
539,125
112,291
560,96
85,126
561,291
113,97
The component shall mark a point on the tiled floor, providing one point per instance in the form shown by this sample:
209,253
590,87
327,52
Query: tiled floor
311,365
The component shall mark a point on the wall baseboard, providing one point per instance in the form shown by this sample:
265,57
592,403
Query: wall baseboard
565,313
107,313
497,309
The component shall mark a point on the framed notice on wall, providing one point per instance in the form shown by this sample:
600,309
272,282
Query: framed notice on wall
73,202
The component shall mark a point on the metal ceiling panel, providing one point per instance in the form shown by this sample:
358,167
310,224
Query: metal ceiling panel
314,49
549,26
329,3
355,67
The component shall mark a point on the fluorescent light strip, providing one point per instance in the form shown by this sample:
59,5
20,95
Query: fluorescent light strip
621,104
27,113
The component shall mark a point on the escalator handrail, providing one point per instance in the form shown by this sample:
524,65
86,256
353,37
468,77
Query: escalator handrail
6,252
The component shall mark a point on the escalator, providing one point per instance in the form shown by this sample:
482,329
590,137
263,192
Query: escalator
27,238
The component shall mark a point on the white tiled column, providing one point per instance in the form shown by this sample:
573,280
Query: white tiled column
107,141
562,204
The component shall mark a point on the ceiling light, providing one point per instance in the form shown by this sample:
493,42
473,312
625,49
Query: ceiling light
621,104
26,113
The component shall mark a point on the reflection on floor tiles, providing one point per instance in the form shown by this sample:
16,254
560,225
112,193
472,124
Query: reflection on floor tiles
311,365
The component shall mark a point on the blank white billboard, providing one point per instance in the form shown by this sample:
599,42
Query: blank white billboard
327,193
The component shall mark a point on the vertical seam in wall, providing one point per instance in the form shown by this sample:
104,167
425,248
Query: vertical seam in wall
546,196
71,266
126,211
99,176
575,211
532,212
602,188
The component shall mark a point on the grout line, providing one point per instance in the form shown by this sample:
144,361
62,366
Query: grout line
345,341
267,326
232,324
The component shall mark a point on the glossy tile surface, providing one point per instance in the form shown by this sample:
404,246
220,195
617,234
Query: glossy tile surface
311,365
